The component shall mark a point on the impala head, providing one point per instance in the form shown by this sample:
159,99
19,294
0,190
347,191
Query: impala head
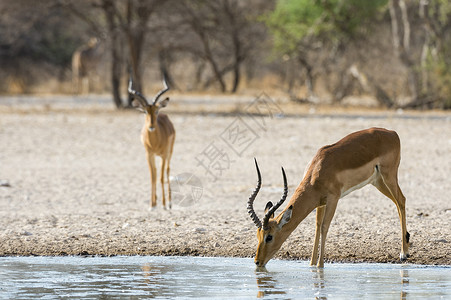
93,42
151,110
269,232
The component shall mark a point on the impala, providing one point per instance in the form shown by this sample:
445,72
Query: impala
84,63
158,136
364,157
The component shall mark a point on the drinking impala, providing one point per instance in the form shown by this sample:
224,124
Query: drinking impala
364,157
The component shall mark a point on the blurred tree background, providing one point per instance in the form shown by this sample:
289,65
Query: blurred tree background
393,53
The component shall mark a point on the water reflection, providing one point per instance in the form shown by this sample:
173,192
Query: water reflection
319,284
404,283
214,278
337,282
266,283
158,279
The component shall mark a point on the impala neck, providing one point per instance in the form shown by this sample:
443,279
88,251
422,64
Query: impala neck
304,200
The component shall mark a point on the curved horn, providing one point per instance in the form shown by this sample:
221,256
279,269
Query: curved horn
275,207
137,95
250,203
162,91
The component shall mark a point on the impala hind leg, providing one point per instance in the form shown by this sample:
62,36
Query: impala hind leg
168,169
169,184
388,185
328,216
319,221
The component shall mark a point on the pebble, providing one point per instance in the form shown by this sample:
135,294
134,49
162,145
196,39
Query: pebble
441,241
5,183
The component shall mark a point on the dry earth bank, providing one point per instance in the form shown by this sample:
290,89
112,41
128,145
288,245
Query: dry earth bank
74,181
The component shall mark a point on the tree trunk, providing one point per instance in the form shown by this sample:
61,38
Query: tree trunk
116,73
136,34
236,77
210,59
116,55
309,80
135,43
135,39
238,59
222,72
164,68
196,23
200,67
237,51
401,44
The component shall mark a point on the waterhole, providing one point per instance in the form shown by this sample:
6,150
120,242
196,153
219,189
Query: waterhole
194,277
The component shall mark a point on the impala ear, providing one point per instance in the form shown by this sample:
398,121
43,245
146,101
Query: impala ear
136,104
163,103
286,216
268,207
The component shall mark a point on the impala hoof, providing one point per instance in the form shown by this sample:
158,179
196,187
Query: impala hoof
403,257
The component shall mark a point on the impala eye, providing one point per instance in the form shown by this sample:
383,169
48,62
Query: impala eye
268,238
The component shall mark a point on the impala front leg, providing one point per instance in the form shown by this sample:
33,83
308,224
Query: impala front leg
328,216
319,221
153,179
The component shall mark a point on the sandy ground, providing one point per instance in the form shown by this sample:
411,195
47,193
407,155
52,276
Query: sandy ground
74,180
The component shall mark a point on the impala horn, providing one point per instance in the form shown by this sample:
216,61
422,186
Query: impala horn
250,203
162,91
136,95
275,207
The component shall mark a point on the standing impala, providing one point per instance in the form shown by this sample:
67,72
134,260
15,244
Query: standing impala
157,135
363,157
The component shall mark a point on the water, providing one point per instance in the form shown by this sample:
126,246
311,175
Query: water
195,277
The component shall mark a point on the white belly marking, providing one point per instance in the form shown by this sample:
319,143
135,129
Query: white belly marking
371,179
